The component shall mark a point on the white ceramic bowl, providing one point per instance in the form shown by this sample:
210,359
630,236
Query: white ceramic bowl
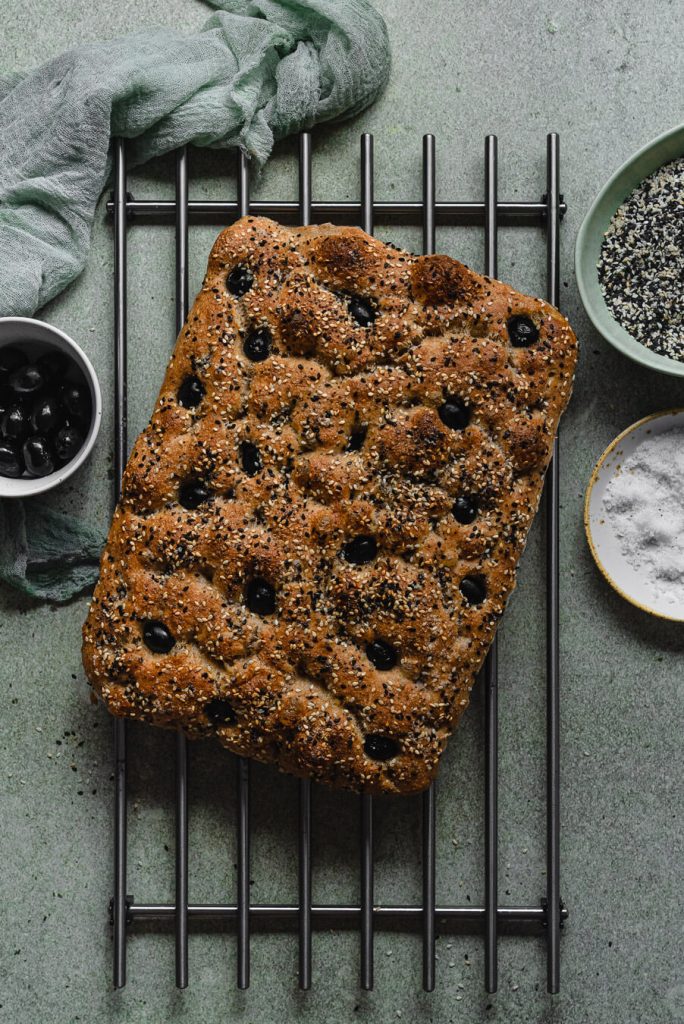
36,337
604,545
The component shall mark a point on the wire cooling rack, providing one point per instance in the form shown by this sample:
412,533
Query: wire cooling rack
548,916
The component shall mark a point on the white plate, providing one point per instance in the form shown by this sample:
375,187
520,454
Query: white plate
604,546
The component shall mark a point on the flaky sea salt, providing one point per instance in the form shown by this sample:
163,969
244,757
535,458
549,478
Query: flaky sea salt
644,506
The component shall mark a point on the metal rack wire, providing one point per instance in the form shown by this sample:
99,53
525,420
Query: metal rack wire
367,915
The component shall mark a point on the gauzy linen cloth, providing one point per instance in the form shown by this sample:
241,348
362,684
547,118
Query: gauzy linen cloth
258,70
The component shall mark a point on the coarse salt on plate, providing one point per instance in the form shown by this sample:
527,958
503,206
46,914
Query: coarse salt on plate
637,572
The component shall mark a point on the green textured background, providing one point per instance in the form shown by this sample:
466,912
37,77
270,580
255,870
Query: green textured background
607,76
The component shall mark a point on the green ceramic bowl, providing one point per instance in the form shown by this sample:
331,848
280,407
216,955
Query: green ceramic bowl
588,248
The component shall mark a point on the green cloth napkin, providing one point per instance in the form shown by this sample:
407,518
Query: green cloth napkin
258,70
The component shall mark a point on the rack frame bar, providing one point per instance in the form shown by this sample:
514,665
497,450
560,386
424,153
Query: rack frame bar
120,900
350,212
491,665
429,822
366,801
321,914
181,741
304,848
552,487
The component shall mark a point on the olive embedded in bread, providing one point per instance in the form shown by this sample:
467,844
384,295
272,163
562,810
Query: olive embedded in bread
191,392
193,493
522,331
361,310
250,458
360,549
454,413
158,637
261,597
474,588
356,439
465,509
239,281
257,345
380,748
382,655
220,712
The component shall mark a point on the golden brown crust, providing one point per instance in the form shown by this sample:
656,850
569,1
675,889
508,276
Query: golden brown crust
350,438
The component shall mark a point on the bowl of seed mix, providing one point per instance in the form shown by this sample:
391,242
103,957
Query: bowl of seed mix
629,256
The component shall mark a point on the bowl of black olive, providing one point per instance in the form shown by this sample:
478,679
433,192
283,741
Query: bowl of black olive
50,407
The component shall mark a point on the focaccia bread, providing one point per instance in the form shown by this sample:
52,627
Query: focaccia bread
320,526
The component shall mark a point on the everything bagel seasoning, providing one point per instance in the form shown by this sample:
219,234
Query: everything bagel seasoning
641,267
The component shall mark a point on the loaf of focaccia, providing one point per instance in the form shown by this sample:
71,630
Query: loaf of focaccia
319,528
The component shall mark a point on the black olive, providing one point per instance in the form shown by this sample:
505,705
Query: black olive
68,442
157,636
361,310
250,458
380,748
356,439
26,381
522,331
53,363
474,589
47,414
454,413
76,401
38,456
257,345
192,493
191,392
7,398
261,596
11,459
465,509
15,423
10,360
360,549
240,280
382,655
220,712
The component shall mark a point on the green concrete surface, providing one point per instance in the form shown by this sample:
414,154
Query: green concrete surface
607,76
